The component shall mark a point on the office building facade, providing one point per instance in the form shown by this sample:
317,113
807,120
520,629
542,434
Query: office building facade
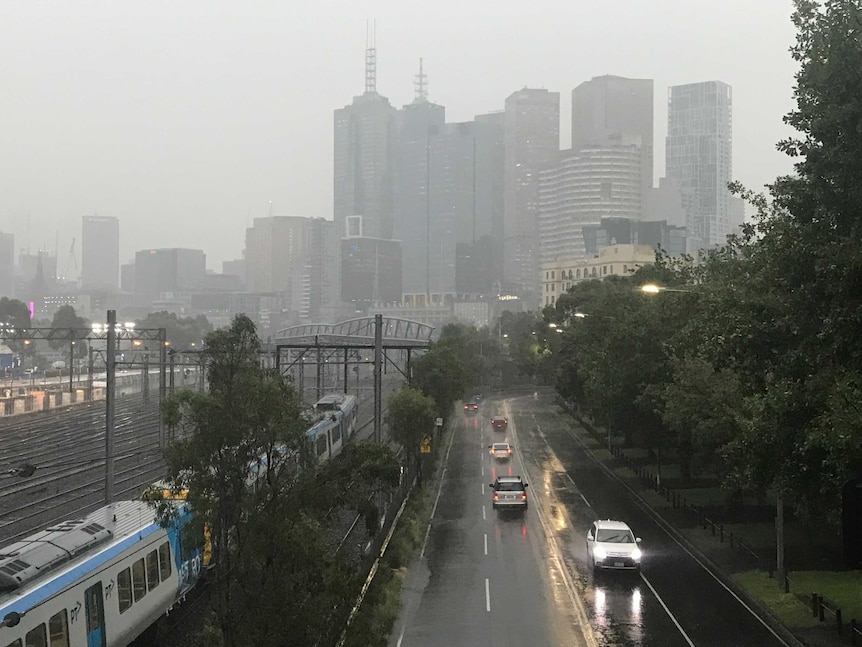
167,273
597,181
100,253
532,141
607,108
699,158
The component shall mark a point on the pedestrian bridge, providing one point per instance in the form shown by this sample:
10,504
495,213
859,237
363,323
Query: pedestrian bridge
397,333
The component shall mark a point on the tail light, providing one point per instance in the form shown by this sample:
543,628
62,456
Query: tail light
510,450
523,496
496,496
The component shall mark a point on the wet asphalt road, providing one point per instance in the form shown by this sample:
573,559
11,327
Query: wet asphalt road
500,580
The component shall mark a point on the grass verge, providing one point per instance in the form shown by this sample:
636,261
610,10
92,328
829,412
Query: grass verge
374,621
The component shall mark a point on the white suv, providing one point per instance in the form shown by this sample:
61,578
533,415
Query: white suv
613,545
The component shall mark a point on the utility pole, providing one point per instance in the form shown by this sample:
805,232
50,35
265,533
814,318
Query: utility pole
378,382
163,348
110,368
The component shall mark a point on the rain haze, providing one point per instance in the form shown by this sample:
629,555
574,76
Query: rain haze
187,120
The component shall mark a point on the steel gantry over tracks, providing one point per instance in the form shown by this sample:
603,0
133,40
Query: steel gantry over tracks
392,342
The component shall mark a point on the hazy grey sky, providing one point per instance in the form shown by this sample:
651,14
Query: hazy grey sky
185,119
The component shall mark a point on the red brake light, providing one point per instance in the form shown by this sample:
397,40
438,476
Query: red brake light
523,496
496,496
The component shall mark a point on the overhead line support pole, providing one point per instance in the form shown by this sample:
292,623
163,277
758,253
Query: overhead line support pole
110,392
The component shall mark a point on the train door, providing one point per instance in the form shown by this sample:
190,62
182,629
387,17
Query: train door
95,613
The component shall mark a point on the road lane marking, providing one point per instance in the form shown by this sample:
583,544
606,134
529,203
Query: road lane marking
437,499
571,480
666,610
483,512
487,595
670,531
585,501
577,604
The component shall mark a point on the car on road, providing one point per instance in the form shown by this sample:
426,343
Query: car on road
499,422
509,493
471,408
501,451
612,545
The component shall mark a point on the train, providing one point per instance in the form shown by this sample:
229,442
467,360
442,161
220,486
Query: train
106,579
99,581
334,424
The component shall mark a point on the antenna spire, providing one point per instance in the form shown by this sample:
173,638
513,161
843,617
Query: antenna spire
371,59
421,84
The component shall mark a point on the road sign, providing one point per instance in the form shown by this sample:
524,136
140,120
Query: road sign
438,422
425,445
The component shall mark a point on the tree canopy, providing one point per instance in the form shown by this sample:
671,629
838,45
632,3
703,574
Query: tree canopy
752,369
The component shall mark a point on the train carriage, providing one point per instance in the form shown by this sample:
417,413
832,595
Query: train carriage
100,581
337,414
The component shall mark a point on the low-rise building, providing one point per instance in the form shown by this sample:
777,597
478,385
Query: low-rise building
615,260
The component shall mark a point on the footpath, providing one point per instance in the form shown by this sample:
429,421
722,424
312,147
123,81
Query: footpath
820,605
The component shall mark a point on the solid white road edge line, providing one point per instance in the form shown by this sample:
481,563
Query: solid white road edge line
437,499
666,610
669,530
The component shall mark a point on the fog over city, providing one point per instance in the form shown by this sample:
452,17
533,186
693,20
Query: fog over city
187,120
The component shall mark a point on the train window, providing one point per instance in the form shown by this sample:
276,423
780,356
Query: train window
321,444
139,580
58,629
164,561
36,637
124,589
152,570
15,643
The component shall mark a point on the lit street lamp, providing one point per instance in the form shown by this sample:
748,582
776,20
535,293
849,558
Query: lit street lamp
652,288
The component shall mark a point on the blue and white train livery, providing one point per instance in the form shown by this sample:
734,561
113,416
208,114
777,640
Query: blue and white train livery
100,581
336,413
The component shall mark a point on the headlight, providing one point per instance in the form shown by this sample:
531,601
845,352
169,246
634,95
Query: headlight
636,554
599,552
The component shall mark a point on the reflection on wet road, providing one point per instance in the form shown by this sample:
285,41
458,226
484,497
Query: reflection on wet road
500,579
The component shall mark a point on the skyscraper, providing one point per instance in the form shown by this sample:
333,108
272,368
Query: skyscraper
418,122
608,107
363,163
100,253
698,157
595,182
532,140
174,271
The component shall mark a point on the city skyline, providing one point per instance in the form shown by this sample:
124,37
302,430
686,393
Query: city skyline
187,150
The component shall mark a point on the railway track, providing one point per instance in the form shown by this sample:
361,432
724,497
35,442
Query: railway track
67,447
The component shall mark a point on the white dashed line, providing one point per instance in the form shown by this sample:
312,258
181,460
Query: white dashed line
487,595
486,543
483,513
585,501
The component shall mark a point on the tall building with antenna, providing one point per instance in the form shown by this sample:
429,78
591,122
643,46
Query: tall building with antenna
363,160
418,123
